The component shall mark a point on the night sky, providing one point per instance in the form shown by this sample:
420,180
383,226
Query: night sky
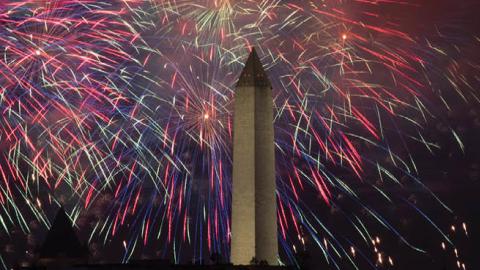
129,128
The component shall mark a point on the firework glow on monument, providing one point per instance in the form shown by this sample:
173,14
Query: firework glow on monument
122,110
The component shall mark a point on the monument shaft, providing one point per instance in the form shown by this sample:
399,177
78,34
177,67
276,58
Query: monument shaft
254,215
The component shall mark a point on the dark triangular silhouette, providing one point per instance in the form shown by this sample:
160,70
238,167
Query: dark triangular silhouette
61,244
253,73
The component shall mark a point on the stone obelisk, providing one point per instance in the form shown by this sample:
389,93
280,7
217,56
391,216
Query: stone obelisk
254,207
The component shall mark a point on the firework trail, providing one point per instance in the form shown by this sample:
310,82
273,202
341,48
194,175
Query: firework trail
151,151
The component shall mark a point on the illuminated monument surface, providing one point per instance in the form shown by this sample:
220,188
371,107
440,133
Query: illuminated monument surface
254,213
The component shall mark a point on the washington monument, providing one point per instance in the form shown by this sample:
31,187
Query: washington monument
254,207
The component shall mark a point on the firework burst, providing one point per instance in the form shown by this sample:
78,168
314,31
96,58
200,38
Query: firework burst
353,89
66,71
